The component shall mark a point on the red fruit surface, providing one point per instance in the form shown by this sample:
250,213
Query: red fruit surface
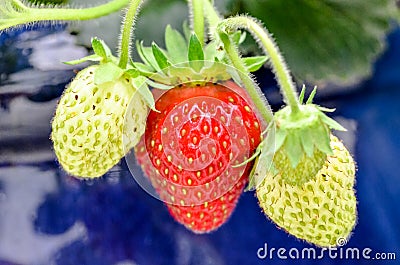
190,147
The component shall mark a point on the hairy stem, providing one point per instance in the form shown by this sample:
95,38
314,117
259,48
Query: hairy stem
126,33
269,47
197,12
19,4
212,16
260,101
23,14
252,89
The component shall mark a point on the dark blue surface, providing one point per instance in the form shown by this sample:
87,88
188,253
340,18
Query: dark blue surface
123,223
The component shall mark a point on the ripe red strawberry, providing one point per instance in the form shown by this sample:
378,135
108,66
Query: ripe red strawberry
190,147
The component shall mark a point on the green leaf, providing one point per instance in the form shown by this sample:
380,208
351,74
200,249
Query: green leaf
182,73
92,58
162,78
312,95
146,54
235,75
176,45
331,122
141,86
326,109
307,142
325,40
280,137
210,51
195,53
242,38
253,175
101,49
132,73
106,73
301,96
254,63
159,56
254,156
237,37
293,149
158,85
215,71
144,68
322,140
263,162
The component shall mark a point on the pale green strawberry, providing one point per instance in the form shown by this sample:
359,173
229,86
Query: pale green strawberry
306,168
323,210
92,122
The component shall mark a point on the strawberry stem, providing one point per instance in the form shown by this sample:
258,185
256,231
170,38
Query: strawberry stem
252,89
212,16
126,33
19,4
15,13
197,18
259,99
269,47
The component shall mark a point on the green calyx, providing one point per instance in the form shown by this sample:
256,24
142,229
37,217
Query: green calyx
305,131
109,71
302,141
185,59
296,144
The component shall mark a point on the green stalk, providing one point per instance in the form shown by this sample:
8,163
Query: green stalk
21,14
212,15
126,33
254,92
19,4
271,49
197,11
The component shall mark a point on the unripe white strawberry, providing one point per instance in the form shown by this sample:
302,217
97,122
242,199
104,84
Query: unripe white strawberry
93,127
323,210
306,169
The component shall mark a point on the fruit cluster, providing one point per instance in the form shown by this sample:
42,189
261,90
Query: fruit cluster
202,130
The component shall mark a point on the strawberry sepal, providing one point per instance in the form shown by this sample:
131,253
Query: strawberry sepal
301,143
185,59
